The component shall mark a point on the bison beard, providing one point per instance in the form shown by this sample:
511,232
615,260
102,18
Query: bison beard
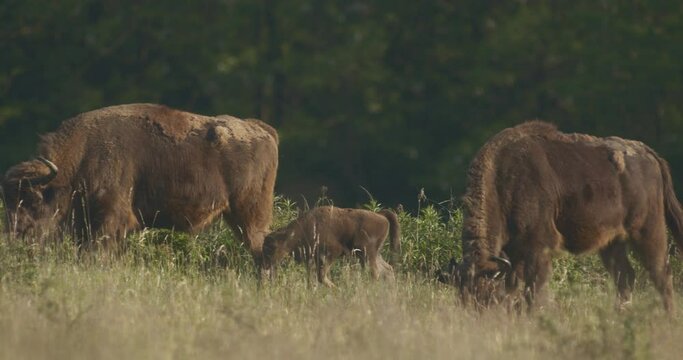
533,191
114,170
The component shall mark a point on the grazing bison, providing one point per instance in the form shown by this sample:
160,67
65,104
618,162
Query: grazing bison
327,232
118,169
534,190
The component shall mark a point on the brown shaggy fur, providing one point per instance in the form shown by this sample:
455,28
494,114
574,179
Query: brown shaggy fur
126,167
328,232
534,190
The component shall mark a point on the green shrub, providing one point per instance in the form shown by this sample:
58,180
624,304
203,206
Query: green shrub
429,239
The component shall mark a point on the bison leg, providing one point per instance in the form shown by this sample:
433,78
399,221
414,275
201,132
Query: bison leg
250,236
378,266
654,254
374,262
305,256
323,264
360,254
513,299
250,217
107,220
615,258
370,252
536,271
309,273
512,278
387,270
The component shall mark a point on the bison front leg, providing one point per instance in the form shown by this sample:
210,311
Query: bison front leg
513,298
323,264
360,254
250,235
536,271
305,255
109,219
615,259
249,216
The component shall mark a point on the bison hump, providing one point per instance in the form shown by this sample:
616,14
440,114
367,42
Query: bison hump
269,129
225,131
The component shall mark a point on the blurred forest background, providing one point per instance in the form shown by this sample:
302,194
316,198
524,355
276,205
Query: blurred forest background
393,95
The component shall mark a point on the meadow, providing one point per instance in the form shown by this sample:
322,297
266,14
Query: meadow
172,295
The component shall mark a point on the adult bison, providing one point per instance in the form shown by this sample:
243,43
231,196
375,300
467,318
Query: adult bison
118,169
534,190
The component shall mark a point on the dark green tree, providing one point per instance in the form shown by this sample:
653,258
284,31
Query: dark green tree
393,96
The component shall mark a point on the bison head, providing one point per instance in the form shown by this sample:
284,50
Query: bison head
449,274
478,284
27,195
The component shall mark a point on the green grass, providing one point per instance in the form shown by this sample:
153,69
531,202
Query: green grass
172,295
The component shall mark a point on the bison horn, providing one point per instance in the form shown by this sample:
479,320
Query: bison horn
505,264
42,180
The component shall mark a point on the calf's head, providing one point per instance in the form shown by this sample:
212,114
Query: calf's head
276,246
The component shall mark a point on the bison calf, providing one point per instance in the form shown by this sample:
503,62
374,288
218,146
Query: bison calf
328,232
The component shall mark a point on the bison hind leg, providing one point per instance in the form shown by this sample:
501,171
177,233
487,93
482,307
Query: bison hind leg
377,264
652,247
386,269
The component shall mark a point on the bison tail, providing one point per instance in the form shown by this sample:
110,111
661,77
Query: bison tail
674,213
394,235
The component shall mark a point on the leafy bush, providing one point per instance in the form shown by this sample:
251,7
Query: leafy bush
429,239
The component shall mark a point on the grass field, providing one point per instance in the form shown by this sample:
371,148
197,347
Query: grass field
178,296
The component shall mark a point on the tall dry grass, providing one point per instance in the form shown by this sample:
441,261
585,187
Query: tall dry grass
171,295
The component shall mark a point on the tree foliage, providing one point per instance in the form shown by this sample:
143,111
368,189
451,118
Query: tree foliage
390,95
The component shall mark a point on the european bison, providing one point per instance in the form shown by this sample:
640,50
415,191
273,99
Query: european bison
118,169
534,190
324,233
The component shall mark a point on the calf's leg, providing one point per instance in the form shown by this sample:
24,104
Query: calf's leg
323,264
